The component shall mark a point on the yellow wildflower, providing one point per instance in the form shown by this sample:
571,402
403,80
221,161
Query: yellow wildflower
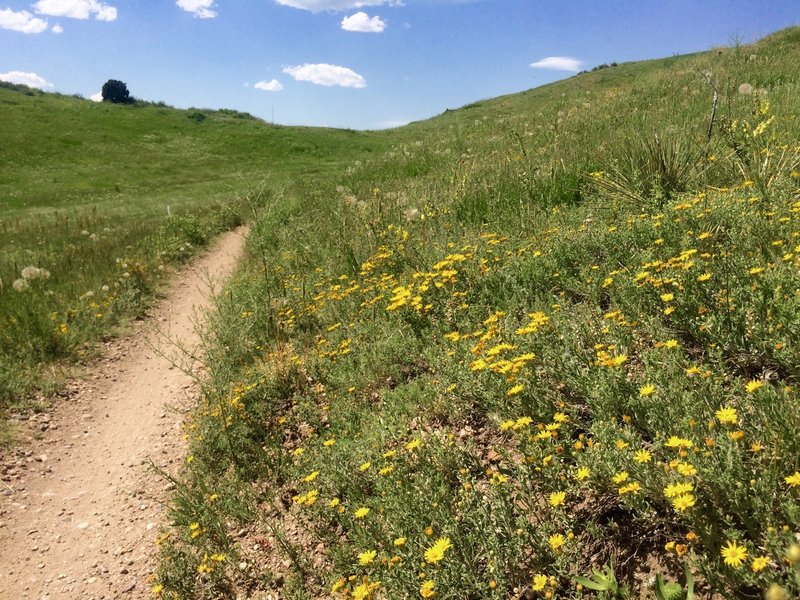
647,390
793,480
435,553
556,541
759,563
682,502
733,554
752,386
428,589
727,415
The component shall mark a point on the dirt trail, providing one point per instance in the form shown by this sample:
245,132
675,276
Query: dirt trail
79,507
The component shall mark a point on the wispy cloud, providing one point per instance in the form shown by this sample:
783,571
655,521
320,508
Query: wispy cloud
76,9
57,28
199,8
30,79
269,86
324,74
98,97
558,63
21,21
362,22
318,5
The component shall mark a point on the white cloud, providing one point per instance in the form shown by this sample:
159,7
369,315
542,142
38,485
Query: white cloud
318,5
269,86
57,28
22,21
323,74
76,9
199,8
98,97
558,63
30,79
362,22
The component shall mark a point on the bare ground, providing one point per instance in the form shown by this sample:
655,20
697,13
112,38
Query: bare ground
79,506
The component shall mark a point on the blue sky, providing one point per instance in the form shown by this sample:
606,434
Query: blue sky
347,63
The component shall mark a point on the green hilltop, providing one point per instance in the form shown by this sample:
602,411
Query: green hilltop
541,346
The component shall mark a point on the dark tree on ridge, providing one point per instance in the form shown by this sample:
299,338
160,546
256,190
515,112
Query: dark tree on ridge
116,91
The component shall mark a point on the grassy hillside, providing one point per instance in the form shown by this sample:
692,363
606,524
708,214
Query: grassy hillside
102,199
61,151
543,346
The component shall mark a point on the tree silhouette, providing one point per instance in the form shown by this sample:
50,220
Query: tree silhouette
116,91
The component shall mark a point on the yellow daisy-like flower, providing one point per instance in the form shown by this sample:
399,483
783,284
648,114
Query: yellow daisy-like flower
401,541
671,344
556,541
311,477
361,512
539,582
752,386
793,480
620,477
642,456
522,422
582,473
647,390
557,498
683,502
686,469
668,297
733,554
515,390
365,466
677,489
413,444
632,488
329,443
676,442
428,589
366,558
435,553
727,415
759,563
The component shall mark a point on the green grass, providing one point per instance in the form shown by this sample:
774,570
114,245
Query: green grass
571,290
88,189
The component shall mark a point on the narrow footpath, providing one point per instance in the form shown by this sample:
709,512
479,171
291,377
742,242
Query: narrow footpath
80,508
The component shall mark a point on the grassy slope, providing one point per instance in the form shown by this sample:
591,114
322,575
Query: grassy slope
456,332
62,151
84,184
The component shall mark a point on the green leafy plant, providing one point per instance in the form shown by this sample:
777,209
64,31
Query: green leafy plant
675,591
605,582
